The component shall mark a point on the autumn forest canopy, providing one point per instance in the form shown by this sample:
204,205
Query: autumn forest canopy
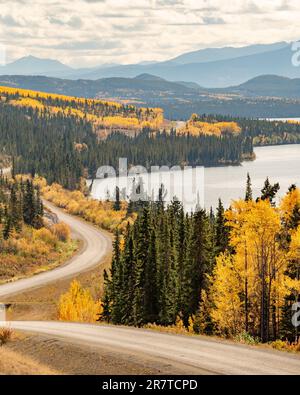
233,273
65,138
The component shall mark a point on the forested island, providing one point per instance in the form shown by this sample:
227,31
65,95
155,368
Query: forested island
64,139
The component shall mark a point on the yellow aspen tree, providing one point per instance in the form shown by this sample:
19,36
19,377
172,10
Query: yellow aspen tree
78,305
255,227
226,288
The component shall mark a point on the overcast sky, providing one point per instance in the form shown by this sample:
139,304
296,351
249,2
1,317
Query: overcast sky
91,32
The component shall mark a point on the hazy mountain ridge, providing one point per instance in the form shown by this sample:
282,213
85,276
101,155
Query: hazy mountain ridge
212,67
225,53
269,85
216,74
106,87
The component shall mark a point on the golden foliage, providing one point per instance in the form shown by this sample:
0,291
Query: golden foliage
256,269
26,93
78,305
61,231
100,213
228,311
288,203
196,127
30,250
102,113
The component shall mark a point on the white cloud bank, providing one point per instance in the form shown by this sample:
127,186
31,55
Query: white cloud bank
91,32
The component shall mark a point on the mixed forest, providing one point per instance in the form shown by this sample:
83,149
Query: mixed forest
261,131
232,273
64,145
28,243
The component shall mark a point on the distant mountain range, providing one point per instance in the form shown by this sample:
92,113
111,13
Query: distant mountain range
141,87
150,86
30,65
264,96
268,85
212,67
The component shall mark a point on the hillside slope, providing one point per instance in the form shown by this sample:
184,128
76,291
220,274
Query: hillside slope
268,85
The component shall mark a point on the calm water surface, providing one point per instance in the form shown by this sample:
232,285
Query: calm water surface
279,163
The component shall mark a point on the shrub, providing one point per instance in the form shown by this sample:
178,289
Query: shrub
177,328
61,231
78,305
46,236
246,338
286,346
5,335
279,345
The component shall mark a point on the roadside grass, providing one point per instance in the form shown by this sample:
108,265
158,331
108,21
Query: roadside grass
282,345
242,338
14,363
41,303
14,268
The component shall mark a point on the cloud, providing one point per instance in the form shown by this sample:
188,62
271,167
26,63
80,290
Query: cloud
91,45
251,8
114,16
129,31
55,21
211,20
75,21
206,20
8,20
169,2
285,6
131,28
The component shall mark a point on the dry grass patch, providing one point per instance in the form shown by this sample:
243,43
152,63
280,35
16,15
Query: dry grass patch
12,363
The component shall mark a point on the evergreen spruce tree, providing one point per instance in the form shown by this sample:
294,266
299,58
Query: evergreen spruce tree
7,228
106,300
269,191
248,194
116,281
141,255
117,203
198,263
221,229
128,287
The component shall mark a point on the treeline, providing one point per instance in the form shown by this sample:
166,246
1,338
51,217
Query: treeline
92,106
230,273
46,145
149,149
236,107
20,203
160,269
263,132
64,148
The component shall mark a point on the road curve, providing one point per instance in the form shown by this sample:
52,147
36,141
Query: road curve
192,354
96,245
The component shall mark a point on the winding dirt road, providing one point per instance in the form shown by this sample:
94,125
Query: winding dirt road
193,355
96,245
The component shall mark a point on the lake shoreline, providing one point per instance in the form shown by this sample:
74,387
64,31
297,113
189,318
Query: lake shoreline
278,162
